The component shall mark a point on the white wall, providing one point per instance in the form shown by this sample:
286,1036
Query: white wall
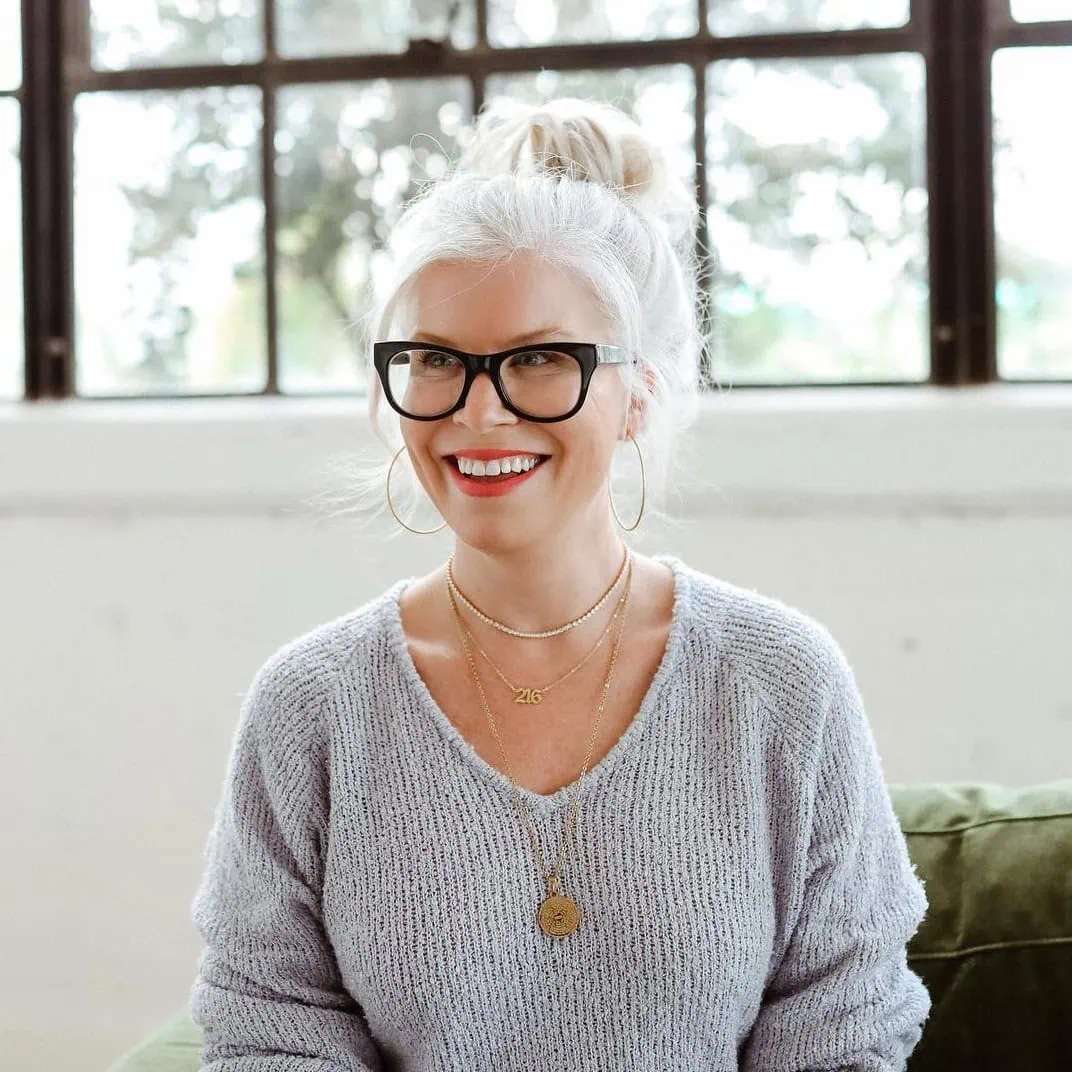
155,553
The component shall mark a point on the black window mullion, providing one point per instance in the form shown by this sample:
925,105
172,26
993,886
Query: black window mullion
941,196
1007,33
960,201
269,84
481,25
976,189
478,88
478,78
423,62
46,203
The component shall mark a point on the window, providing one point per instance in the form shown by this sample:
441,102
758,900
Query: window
229,168
817,214
1041,10
1032,213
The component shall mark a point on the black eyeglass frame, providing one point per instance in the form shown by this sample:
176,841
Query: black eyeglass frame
589,355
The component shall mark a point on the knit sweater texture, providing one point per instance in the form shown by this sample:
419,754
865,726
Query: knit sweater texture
369,894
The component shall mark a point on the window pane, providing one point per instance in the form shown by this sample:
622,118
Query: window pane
12,352
10,44
738,17
169,223
348,156
159,33
817,219
661,98
1033,225
1041,10
538,22
333,27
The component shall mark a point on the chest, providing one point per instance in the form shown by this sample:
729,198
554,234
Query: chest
543,739
674,943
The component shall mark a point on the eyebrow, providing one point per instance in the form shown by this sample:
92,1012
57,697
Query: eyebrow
520,340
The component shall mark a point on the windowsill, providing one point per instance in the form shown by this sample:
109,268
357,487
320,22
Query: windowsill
994,448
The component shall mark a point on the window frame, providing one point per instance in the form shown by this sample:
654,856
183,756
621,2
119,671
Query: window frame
957,39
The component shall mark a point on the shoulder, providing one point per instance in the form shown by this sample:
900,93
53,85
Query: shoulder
303,673
789,659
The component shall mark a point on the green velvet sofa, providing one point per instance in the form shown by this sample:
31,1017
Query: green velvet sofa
995,949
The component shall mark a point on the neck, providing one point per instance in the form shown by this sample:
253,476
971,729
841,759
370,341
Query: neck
543,586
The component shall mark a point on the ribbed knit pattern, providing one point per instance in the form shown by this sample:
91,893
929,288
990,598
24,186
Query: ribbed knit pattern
369,895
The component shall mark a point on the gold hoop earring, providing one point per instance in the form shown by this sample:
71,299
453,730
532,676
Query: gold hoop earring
391,505
643,492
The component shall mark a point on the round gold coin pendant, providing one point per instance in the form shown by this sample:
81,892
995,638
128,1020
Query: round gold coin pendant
558,916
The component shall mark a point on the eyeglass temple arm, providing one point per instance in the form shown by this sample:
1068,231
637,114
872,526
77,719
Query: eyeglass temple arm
610,355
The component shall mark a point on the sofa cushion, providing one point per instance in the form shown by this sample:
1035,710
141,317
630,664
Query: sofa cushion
995,948
175,1046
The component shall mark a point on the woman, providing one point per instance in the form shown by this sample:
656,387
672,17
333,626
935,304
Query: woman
556,804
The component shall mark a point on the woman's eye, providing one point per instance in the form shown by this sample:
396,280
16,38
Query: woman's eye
434,359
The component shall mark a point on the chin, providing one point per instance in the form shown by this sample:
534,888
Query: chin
495,535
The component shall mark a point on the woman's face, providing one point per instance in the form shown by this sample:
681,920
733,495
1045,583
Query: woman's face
483,309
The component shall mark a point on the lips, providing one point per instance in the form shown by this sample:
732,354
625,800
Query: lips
488,454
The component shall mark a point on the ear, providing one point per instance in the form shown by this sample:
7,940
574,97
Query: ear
638,405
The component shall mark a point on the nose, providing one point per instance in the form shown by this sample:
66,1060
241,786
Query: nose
483,409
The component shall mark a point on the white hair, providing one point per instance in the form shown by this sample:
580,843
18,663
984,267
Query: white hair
580,185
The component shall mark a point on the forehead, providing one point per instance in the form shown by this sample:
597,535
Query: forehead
485,307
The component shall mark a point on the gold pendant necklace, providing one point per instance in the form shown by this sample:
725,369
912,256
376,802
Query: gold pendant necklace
558,914
527,694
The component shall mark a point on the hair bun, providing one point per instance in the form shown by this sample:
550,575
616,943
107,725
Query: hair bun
582,140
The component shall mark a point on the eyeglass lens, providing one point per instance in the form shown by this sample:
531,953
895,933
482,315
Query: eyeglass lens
541,383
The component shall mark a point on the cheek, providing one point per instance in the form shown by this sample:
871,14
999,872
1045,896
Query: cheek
603,416
589,450
417,440
608,402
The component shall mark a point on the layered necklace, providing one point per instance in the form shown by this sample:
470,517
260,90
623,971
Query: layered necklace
502,628
526,694
557,914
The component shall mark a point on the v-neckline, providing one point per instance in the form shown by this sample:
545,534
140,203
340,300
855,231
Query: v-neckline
499,779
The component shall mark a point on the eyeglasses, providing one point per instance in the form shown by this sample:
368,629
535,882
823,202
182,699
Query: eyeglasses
543,382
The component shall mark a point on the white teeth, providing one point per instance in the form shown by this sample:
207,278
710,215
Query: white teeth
518,463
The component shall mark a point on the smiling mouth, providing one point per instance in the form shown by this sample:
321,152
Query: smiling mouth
494,477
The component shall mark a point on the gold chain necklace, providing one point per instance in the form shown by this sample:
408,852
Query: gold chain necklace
525,695
558,914
520,632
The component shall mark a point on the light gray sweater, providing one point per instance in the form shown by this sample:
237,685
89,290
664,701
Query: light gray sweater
369,894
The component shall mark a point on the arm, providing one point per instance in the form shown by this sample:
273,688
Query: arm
843,997
268,994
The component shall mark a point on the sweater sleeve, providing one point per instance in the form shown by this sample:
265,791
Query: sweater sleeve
843,997
268,994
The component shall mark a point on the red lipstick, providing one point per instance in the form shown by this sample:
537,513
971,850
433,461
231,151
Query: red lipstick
484,455
488,487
